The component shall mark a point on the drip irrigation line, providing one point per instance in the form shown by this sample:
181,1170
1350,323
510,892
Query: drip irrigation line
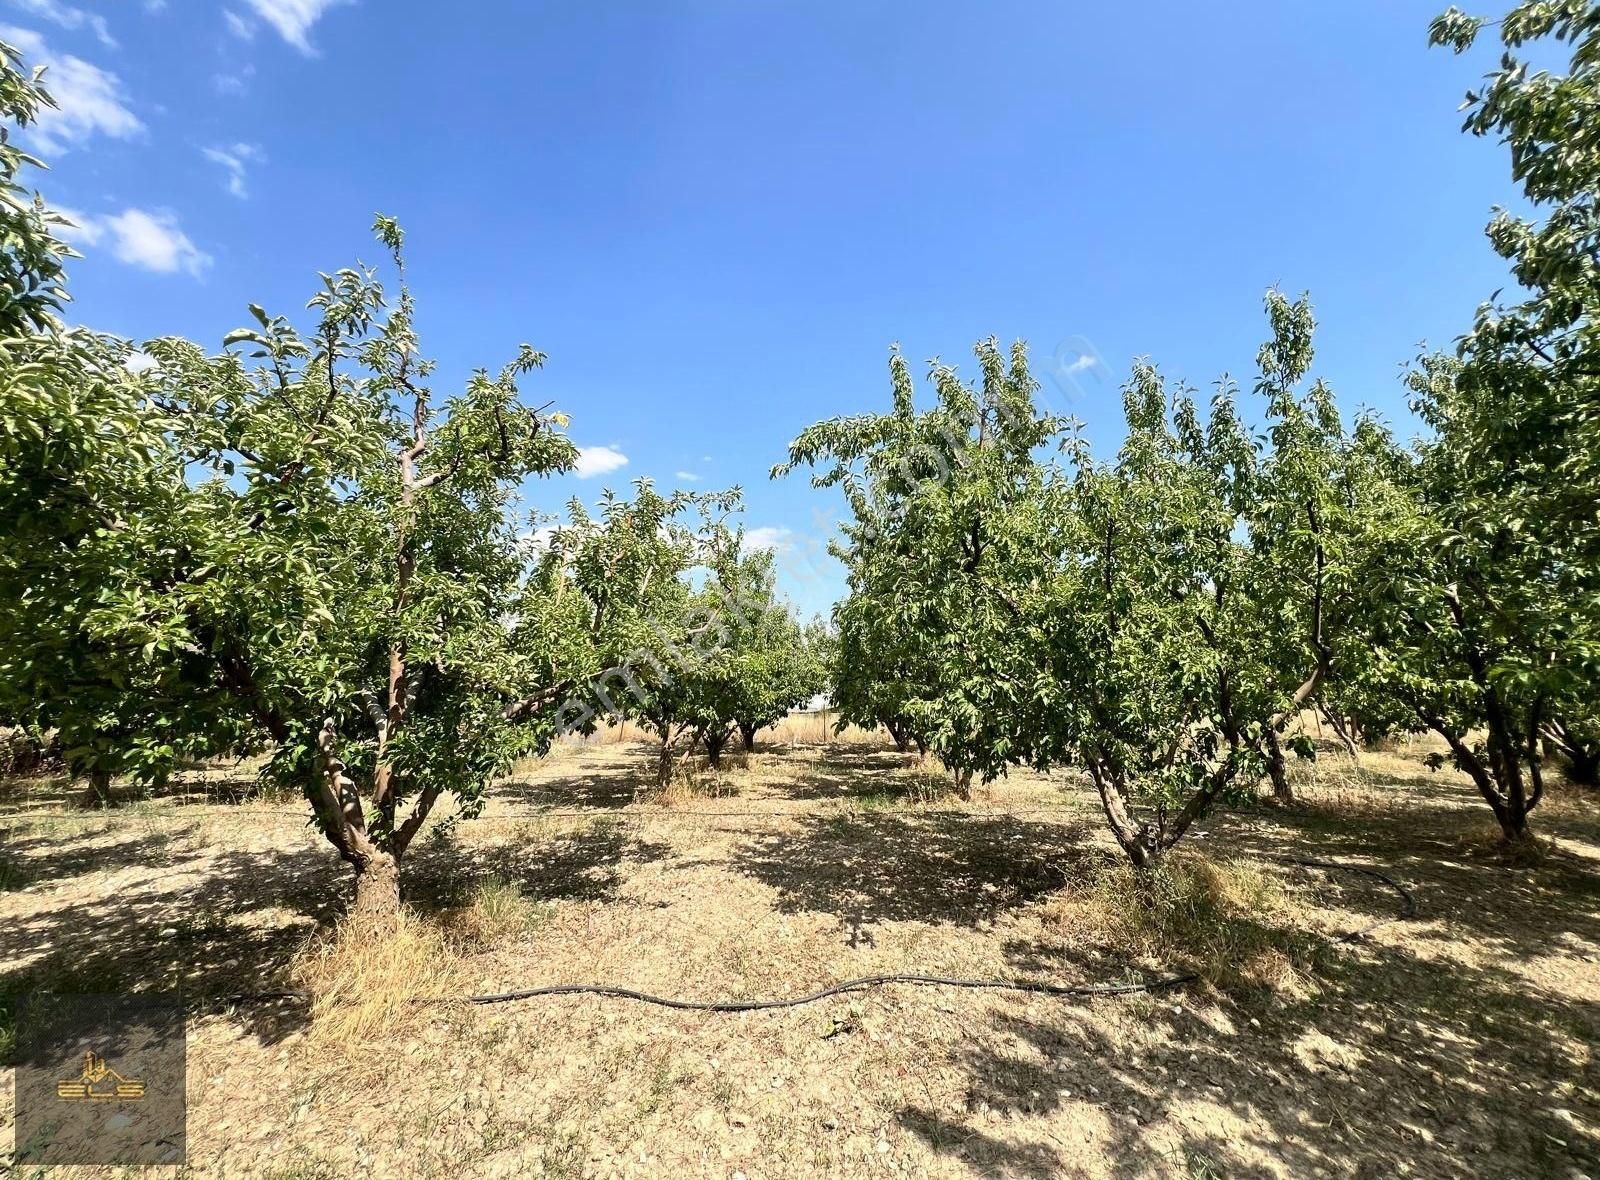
1408,909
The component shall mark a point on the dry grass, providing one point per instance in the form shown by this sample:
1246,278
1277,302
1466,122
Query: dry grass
366,978
498,910
1414,1051
1231,920
816,729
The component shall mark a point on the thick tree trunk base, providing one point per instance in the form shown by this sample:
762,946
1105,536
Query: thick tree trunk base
1278,771
747,733
902,740
664,766
98,793
1581,768
377,896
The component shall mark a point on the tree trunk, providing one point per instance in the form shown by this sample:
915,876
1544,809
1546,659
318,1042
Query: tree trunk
1499,780
1137,842
747,733
99,793
664,765
377,888
1583,766
922,745
1344,734
1580,758
964,783
1277,769
714,744
902,742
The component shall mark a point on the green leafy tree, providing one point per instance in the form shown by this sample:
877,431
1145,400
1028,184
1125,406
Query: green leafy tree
777,664
1159,686
1471,615
1210,585
592,610
1492,634
659,647
87,484
946,506
1312,509
303,553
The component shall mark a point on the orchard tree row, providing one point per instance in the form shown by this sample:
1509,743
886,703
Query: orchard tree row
1161,618
297,547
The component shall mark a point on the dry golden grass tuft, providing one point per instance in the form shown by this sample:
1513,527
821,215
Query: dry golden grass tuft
365,977
1230,921
817,729
497,910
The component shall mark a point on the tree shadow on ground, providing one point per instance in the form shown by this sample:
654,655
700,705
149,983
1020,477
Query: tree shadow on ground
1468,888
611,777
1397,1066
927,867
847,772
585,865
33,790
43,859
604,781
192,786
1388,1060
207,939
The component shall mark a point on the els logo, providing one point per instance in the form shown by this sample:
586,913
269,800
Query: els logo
99,1081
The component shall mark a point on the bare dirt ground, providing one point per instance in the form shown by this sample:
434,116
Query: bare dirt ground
1461,1042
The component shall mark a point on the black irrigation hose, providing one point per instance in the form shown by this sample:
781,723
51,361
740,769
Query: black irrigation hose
849,985
1408,909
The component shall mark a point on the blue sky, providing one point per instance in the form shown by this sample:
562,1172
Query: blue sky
716,215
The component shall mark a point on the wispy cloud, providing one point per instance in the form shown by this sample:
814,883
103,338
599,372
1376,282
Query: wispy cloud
768,537
89,100
241,27
234,160
594,461
69,18
150,239
293,18
687,476
234,83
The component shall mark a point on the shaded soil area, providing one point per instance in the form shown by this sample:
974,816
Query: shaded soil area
1460,1042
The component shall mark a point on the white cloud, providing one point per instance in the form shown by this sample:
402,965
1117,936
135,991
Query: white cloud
687,476
140,362
89,100
1084,361
146,238
234,160
233,83
767,537
293,18
594,461
69,18
84,229
154,241
154,6
241,27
